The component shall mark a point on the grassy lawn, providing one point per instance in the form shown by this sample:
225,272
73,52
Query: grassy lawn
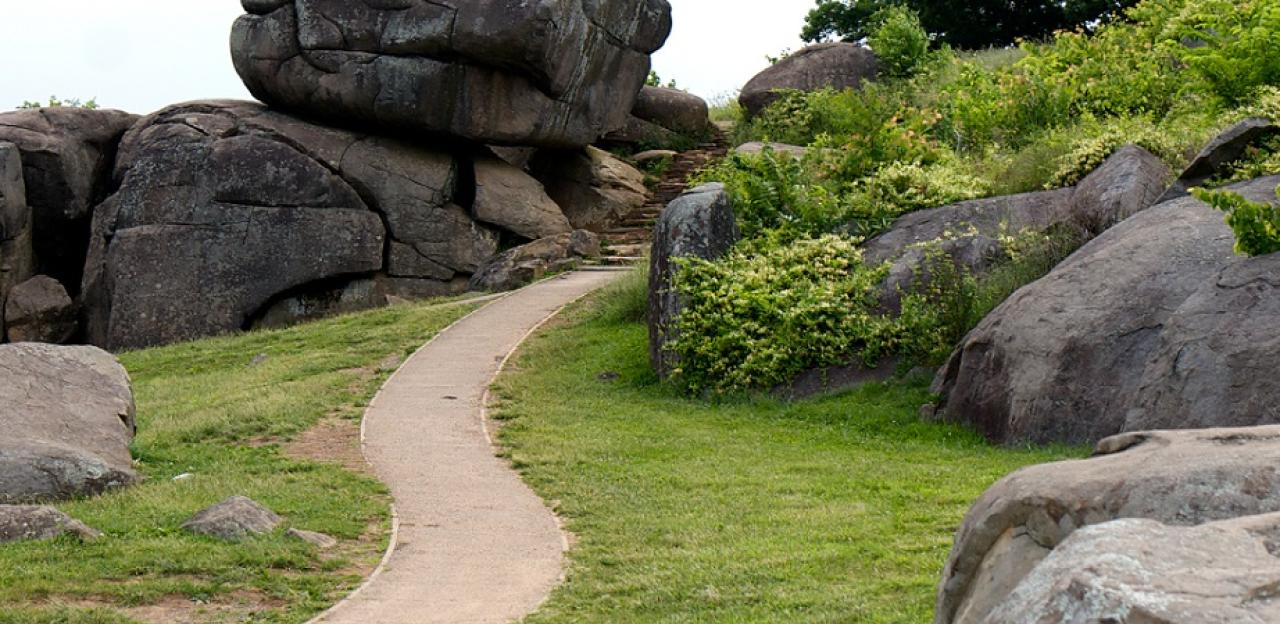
224,411
840,509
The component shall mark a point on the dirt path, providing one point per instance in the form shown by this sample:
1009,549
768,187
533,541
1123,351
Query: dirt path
472,543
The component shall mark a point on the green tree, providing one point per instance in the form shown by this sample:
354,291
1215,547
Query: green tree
966,25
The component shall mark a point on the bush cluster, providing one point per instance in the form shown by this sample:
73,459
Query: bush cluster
1256,225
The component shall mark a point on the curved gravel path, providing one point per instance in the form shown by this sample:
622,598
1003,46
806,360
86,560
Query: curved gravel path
472,543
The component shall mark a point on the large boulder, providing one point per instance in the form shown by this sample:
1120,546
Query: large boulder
638,134
528,263
1141,572
594,189
836,65
66,421
1183,478
67,156
40,310
509,198
698,224
673,109
224,207
16,261
1228,147
551,73
969,233
1079,355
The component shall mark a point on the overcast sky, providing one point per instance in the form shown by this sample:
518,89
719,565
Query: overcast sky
141,55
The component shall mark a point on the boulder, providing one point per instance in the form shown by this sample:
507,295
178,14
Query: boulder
316,302
594,189
673,109
16,260
638,134
67,156
1064,359
225,207
319,540
551,73
526,264
232,519
1141,571
66,421
40,310
699,224
837,65
653,155
1128,182
22,523
509,198
1183,478
1224,149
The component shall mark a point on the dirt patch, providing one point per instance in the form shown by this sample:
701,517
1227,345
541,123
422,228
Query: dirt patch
333,440
239,606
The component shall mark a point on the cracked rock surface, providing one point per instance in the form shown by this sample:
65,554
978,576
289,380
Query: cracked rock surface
1181,478
66,420
553,73
1156,323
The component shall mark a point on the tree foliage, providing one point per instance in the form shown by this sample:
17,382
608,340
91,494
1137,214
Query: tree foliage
965,25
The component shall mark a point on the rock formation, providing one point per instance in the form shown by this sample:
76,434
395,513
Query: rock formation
549,73
16,260
592,187
40,310
836,65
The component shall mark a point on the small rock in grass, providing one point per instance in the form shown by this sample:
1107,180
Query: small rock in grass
232,519
20,523
319,540
608,376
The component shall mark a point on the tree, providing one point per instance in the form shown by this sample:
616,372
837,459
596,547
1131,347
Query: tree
965,25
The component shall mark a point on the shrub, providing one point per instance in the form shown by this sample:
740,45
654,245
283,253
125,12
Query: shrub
1256,225
55,102
1091,142
899,40
1234,46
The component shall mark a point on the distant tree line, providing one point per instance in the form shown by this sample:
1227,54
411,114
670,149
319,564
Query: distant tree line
964,25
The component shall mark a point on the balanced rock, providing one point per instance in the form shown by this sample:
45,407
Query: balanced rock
16,260
66,421
673,109
509,198
835,65
551,73
698,224
1181,478
1066,359
594,189
531,262
232,519
67,156
22,523
225,207
1142,571
40,310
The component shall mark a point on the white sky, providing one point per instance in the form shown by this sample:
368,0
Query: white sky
141,55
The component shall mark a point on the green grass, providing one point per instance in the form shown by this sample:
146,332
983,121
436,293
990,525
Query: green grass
207,409
840,509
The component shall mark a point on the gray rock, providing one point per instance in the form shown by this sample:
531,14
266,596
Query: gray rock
594,189
67,156
16,260
1181,478
1141,571
673,109
758,147
319,540
509,198
1130,181
528,263
20,523
66,420
40,310
1223,150
224,208
637,133
549,73
232,519
699,224
837,65
652,155
319,301
1063,360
